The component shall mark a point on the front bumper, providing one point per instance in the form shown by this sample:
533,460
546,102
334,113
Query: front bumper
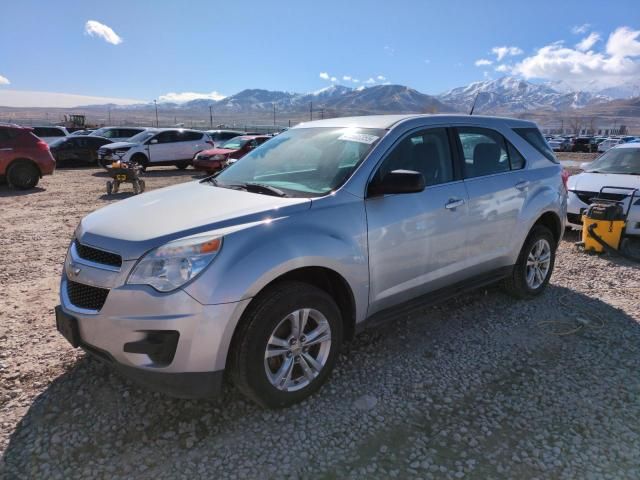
575,206
131,313
211,166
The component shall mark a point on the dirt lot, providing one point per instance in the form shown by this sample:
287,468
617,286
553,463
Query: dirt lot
480,387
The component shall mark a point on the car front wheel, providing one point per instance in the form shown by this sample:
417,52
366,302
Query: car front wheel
286,345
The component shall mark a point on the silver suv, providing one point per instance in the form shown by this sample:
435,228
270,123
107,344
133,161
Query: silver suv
262,271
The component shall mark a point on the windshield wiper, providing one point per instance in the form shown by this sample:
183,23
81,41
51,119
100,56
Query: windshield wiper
259,188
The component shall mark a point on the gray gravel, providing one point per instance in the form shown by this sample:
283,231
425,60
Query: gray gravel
475,388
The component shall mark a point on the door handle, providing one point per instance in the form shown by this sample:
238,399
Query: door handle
522,185
454,203
8,149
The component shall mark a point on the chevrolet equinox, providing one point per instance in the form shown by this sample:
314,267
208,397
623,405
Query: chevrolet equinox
260,272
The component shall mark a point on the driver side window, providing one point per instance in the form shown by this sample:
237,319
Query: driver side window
427,152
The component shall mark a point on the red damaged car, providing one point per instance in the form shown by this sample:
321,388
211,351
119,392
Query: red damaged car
24,158
216,159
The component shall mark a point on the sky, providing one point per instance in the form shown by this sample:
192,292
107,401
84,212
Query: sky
131,51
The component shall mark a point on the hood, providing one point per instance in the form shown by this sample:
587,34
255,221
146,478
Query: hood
117,145
133,226
217,151
593,182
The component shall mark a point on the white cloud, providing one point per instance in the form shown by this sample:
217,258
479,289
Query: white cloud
502,52
580,29
355,80
590,70
182,97
382,78
624,43
27,98
346,78
334,79
482,62
324,75
97,29
4,80
370,80
503,68
587,42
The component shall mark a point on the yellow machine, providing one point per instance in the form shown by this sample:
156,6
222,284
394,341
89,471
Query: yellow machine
604,222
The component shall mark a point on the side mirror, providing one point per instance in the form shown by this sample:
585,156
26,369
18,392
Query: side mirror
398,181
153,141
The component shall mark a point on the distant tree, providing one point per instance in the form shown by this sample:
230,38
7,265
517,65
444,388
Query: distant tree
575,124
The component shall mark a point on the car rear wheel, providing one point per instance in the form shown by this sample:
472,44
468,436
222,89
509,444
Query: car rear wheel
182,165
533,270
23,175
141,160
286,345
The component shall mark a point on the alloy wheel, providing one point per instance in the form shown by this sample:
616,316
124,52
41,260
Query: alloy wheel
538,263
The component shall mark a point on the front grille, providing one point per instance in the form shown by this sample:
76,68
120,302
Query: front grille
98,256
86,296
587,197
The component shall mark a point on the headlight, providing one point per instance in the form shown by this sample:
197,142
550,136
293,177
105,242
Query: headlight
218,157
170,266
120,153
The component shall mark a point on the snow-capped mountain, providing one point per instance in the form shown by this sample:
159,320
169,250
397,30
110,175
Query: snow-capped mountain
512,94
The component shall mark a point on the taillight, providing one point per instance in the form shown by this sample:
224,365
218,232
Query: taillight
565,177
42,146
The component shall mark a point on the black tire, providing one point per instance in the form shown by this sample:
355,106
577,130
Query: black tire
182,165
516,284
109,187
136,187
141,160
143,186
266,312
23,175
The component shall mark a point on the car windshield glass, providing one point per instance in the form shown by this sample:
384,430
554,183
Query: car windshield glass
235,143
618,160
58,142
304,162
101,132
141,137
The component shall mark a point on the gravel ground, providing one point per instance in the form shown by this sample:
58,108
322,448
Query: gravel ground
479,387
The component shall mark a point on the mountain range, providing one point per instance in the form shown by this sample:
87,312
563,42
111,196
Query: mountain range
506,95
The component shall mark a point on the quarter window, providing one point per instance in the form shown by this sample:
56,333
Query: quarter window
426,152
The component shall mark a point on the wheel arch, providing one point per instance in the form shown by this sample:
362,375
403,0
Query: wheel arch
552,221
20,160
327,280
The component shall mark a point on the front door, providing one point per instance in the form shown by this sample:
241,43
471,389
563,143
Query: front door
417,241
167,148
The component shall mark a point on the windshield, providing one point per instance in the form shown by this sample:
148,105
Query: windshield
304,162
618,160
141,137
235,143
58,142
101,132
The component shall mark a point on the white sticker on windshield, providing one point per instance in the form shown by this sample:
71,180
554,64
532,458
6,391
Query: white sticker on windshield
359,137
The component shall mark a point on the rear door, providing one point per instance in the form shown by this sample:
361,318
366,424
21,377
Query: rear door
497,189
417,241
191,143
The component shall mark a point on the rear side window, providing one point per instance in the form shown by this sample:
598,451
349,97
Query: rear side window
7,134
484,151
537,141
128,132
48,132
191,136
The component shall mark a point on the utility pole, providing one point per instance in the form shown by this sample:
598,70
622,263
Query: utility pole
109,114
310,110
156,105
274,113
211,115
322,114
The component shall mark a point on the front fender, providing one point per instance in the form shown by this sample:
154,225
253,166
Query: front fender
331,234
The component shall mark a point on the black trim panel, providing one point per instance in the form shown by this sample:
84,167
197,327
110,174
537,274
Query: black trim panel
432,298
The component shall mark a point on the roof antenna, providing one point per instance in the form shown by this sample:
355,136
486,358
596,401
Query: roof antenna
474,103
